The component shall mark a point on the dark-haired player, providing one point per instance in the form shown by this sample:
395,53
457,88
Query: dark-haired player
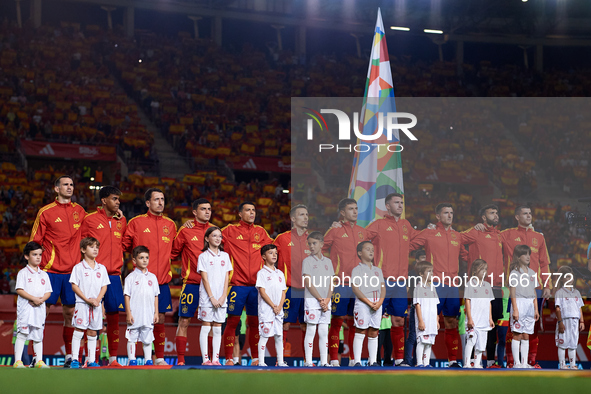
57,229
189,245
157,232
243,241
108,228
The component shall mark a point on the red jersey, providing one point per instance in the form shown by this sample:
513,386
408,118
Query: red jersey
342,243
243,242
156,233
443,250
539,260
391,238
57,229
109,232
189,244
488,246
293,249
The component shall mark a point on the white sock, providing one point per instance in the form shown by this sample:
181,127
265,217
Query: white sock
131,350
561,357
398,361
309,342
427,360
38,349
112,358
323,343
216,343
478,359
19,346
524,351
572,356
262,347
279,348
91,349
358,346
468,350
372,348
76,339
420,353
203,335
147,351
515,350
235,359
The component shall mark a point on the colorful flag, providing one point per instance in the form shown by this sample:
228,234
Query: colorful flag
377,172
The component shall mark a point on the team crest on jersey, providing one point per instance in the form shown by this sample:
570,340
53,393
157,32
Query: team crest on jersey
76,216
326,267
30,280
203,314
361,321
185,309
404,230
486,291
257,237
360,235
517,325
280,280
79,321
231,307
223,263
453,235
42,281
98,275
165,230
137,282
534,242
119,226
314,267
150,283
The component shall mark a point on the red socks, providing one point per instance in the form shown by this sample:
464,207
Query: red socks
253,335
452,340
397,335
333,337
230,335
113,333
351,337
67,334
160,340
181,346
533,348
508,350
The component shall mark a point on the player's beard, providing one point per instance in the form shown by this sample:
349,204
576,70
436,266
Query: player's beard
492,222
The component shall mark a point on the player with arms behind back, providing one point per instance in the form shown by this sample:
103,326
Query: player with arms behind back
214,267
141,303
33,288
272,288
89,281
568,303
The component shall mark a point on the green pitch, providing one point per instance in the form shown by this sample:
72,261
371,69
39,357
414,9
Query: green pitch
295,381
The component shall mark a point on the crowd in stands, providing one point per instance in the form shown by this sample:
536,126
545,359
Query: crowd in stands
213,104
55,87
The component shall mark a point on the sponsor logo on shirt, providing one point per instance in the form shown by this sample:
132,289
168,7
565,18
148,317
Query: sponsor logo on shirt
240,237
58,220
100,226
147,230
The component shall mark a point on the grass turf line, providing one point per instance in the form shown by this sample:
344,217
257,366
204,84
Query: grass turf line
172,382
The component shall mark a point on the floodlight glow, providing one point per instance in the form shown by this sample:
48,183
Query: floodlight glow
400,28
431,31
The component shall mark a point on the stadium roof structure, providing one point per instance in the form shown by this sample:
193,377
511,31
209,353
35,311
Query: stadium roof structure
544,22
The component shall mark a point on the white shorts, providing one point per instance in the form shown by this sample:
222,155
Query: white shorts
478,337
271,328
34,334
316,316
525,324
144,335
428,339
87,317
212,315
366,317
569,339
